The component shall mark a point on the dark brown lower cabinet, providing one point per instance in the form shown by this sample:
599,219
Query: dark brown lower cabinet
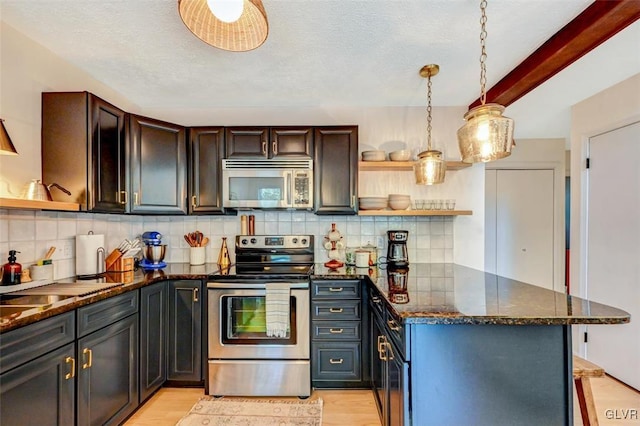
185,331
153,337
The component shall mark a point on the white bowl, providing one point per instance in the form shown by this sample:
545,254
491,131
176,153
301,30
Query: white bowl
372,203
373,155
401,155
399,204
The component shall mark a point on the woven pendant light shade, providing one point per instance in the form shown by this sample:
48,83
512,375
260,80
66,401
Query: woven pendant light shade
247,33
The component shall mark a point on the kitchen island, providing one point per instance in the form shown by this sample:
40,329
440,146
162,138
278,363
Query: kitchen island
455,345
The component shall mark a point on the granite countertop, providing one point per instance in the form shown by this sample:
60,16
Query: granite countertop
446,293
434,293
14,318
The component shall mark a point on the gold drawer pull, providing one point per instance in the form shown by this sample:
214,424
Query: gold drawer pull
72,371
335,310
375,299
335,289
336,361
336,330
393,325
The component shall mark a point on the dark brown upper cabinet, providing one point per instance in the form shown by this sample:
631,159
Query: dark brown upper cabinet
269,142
206,150
158,166
336,170
84,150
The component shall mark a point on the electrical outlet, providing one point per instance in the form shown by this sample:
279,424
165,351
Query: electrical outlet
67,249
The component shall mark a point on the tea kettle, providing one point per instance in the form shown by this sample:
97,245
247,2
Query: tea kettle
36,190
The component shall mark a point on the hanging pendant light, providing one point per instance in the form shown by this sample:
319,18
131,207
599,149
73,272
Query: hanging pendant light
430,167
487,135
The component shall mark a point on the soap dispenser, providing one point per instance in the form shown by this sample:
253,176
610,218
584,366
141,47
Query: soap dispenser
11,271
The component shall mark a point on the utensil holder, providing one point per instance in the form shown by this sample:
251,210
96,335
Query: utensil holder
197,255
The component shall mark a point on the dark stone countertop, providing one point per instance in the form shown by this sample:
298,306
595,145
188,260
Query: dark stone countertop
446,293
435,293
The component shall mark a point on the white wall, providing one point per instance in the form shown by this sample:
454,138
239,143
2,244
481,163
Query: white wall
27,69
607,110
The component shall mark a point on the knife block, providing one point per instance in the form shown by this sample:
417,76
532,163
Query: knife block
117,263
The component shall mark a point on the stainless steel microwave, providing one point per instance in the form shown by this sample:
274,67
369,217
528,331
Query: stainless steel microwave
267,184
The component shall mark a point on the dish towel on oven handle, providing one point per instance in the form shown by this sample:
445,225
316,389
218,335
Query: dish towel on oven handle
277,309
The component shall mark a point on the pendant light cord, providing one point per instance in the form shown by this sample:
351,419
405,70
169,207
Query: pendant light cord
483,52
429,113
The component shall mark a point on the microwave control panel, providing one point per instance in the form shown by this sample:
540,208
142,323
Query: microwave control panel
302,182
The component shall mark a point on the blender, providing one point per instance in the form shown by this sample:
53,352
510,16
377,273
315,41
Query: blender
153,250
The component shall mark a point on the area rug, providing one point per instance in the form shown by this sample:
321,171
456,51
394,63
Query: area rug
212,411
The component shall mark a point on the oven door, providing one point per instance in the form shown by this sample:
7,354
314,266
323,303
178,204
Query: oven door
238,328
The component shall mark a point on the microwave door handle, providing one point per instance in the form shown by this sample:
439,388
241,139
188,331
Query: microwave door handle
287,189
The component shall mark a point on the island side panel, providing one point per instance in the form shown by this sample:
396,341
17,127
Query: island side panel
491,375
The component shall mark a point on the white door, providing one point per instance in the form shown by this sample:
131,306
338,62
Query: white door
613,249
519,227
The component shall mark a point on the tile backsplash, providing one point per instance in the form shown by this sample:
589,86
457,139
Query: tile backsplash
33,232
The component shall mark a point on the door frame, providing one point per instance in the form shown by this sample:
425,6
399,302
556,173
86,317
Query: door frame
558,214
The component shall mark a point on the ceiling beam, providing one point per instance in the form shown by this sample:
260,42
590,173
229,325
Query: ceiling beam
595,25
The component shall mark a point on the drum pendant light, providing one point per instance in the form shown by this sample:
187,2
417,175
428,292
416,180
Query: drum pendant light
430,167
487,135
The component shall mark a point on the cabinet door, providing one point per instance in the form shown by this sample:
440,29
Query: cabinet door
107,168
153,344
247,142
336,169
291,142
377,364
206,150
158,167
107,364
397,384
185,331
47,384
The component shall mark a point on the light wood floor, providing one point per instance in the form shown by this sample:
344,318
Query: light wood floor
357,407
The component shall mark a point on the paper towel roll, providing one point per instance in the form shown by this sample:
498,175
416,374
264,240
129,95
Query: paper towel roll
88,261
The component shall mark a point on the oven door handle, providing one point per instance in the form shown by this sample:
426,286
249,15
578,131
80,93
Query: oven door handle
249,285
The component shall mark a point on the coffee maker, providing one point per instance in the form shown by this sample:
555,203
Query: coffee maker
397,250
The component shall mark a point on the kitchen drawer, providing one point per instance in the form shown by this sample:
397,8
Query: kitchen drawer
100,314
336,330
376,302
340,289
336,361
29,342
336,310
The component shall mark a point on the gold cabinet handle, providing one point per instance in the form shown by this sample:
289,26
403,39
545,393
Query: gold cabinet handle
336,361
353,201
195,294
72,370
381,345
89,352
135,199
376,300
122,197
275,148
336,330
335,310
393,325
193,201
264,147
388,346
335,289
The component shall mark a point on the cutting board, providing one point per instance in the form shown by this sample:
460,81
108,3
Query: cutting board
67,289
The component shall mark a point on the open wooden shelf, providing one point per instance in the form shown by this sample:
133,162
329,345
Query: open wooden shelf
19,203
414,212
378,166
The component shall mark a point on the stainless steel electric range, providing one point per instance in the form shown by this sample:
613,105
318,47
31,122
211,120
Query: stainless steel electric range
258,326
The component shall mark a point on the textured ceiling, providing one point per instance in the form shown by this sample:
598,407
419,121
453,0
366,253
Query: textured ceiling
318,53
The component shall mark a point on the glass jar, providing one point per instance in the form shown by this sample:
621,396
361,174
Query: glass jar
373,253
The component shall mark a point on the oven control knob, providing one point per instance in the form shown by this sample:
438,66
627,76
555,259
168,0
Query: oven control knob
253,241
294,241
244,242
304,241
